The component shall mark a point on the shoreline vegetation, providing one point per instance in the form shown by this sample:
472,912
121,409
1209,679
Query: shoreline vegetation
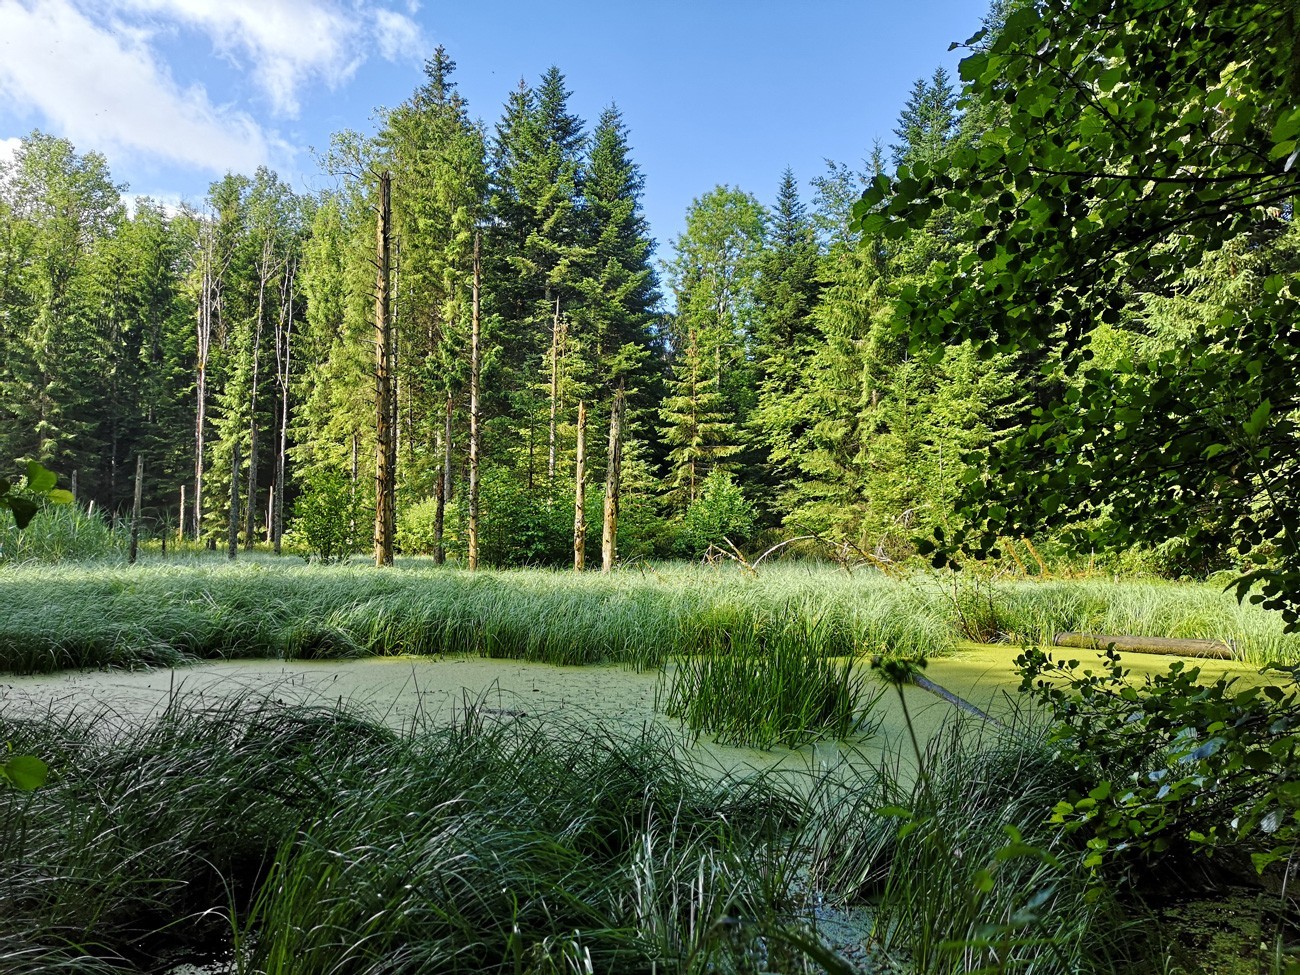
260,834
166,612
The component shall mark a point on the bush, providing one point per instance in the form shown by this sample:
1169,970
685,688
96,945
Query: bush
719,515
326,518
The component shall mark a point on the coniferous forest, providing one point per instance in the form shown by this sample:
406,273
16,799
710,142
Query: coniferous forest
766,394
789,366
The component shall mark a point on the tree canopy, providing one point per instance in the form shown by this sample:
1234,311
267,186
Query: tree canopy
1142,145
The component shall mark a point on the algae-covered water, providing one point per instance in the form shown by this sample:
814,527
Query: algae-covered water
408,692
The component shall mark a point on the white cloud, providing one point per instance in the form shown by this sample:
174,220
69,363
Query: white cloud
7,149
400,38
101,86
290,43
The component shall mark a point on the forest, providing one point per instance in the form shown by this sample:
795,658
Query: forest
855,447
784,370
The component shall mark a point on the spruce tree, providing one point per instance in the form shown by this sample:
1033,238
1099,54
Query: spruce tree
785,292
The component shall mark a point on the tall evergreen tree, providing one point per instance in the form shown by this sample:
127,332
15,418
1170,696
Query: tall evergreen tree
785,291
712,275
928,122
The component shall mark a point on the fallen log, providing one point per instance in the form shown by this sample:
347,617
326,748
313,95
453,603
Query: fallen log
958,702
1210,649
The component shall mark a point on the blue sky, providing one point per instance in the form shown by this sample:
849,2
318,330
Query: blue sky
177,92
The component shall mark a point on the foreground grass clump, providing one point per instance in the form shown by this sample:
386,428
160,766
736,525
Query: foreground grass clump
302,840
960,868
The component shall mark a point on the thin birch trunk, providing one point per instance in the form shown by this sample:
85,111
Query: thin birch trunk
613,477
580,492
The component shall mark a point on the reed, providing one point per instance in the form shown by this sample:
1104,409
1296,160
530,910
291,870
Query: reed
163,612
301,840
759,692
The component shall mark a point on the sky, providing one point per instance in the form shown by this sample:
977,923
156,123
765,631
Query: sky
175,93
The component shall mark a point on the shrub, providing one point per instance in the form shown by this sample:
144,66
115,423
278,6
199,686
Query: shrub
720,514
326,517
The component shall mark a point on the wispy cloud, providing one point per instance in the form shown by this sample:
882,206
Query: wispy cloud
95,72
7,149
101,85
287,44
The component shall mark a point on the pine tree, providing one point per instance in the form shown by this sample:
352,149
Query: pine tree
712,276
785,291
437,156
928,122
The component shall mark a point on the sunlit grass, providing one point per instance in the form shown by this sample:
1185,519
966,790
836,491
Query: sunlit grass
164,612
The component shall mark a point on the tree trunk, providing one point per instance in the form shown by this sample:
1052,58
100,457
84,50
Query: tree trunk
474,432
180,521
283,350
555,395
233,540
443,490
580,493
613,475
250,511
385,458
135,510
203,329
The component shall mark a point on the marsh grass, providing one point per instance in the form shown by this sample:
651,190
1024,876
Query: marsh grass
161,613
960,870
758,692
164,612
63,533
305,840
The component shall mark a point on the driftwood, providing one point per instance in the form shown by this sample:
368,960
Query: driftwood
1212,649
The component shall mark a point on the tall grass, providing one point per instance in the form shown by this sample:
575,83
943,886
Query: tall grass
166,611
161,613
303,840
63,533
759,693
959,867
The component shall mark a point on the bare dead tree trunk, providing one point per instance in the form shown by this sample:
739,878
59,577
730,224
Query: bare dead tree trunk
233,540
180,520
385,459
474,432
135,510
204,336
352,490
555,394
250,511
443,490
283,349
613,477
580,493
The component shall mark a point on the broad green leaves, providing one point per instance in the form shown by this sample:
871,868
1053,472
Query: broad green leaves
25,773
23,499
1139,183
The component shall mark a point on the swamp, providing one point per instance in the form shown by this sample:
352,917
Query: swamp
515,547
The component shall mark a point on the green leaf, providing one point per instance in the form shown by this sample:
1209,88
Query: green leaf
24,509
60,496
1258,420
40,480
26,772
